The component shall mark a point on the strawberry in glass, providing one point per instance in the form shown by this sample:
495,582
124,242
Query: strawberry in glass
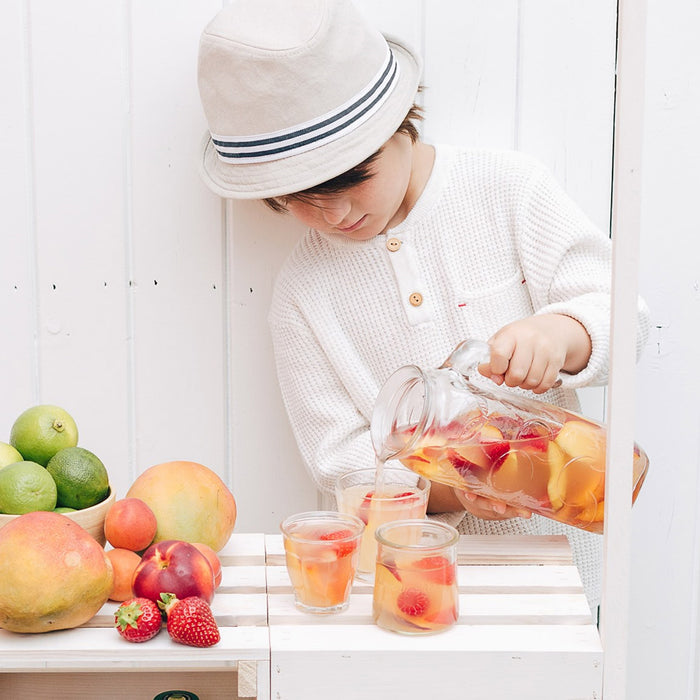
415,587
379,496
321,553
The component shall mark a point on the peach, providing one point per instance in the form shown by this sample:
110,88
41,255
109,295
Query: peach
130,524
173,566
214,560
124,563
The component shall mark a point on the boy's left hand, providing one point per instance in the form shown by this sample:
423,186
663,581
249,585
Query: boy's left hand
531,352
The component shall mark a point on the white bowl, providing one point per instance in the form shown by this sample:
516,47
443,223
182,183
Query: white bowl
92,518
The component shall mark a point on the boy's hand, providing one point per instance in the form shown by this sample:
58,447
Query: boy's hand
531,352
488,509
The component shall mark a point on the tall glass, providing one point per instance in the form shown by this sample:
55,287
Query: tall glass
415,587
394,493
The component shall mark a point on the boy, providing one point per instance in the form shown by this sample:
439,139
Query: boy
411,247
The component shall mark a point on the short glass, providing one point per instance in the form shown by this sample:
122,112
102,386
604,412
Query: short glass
401,495
321,551
415,586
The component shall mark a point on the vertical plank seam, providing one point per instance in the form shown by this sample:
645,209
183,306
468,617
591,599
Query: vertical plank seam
518,75
30,175
226,274
130,282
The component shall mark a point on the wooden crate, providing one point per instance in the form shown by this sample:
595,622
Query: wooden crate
525,631
94,661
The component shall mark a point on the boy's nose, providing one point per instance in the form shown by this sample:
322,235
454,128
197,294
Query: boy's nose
335,212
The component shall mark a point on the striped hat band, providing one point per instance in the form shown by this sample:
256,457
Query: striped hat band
260,148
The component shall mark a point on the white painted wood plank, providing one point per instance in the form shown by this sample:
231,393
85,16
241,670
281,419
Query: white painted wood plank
477,609
230,609
626,219
177,288
78,196
481,549
84,649
475,579
242,579
17,292
544,663
461,638
664,651
471,73
566,93
243,548
268,478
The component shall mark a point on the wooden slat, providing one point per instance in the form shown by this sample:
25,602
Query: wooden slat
475,579
345,662
481,549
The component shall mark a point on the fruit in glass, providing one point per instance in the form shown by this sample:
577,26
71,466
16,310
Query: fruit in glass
415,586
556,470
321,553
380,496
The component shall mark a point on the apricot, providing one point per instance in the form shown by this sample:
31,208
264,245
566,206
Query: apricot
130,524
124,563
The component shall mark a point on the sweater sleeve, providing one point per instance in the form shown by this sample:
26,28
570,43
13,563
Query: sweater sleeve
566,261
332,435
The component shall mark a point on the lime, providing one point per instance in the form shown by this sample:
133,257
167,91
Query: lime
8,455
63,509
26,487
41,431
81,478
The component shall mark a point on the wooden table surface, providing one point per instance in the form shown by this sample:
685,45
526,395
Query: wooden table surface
525,631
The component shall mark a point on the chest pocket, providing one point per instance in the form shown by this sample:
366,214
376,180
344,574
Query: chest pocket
481,312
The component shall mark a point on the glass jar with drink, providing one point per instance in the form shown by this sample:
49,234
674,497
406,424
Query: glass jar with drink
452,428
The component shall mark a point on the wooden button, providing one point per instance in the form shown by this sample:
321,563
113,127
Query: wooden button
393,244
416,299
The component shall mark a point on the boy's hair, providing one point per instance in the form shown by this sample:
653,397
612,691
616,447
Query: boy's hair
354,176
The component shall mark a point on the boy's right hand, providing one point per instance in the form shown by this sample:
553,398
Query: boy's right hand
487,508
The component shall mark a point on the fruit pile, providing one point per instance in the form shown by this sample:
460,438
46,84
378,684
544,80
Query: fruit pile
43,469
165,535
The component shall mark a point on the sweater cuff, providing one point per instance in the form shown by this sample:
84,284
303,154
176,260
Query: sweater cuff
595,318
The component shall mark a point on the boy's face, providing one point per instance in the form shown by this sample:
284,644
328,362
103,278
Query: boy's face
365,210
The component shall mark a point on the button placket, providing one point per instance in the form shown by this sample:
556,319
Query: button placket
409,279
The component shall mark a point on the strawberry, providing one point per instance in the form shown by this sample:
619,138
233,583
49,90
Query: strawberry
496,451
363,510
412,602
343,549
138,620
190,620
436,569
404,494
537,434
390,566
462,466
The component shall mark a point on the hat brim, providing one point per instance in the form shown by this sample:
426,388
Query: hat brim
299,172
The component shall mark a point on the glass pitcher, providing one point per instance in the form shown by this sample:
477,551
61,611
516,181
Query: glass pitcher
501,445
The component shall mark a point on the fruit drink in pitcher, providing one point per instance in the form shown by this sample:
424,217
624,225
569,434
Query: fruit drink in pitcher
496,444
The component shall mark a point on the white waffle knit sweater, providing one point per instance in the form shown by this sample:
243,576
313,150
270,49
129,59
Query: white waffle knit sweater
492,239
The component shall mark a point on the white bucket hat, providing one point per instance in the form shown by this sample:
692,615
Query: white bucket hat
296,92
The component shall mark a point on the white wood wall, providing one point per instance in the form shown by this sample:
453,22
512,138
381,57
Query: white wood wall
137,300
